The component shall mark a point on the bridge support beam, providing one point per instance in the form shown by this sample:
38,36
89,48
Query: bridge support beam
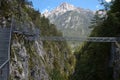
115,60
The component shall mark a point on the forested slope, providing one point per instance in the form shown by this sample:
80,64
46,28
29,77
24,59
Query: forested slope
93,58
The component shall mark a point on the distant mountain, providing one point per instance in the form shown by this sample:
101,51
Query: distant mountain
71,20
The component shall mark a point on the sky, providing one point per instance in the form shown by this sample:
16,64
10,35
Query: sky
43,5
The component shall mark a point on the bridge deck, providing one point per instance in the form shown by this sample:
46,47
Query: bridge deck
33,36
81,39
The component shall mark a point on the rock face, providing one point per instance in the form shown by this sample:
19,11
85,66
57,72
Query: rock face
72,21
64,7
31,61
31,58
25,64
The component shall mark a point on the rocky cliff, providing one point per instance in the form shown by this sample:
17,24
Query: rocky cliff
31,58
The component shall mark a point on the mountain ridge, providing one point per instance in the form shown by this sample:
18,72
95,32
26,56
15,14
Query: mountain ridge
64,7
71,20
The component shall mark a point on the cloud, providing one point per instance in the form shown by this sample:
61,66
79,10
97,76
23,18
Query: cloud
97,6
108,0
46,9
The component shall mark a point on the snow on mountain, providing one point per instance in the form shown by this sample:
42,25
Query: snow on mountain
64,7
71,20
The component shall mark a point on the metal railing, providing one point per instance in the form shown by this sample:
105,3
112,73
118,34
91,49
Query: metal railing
7,61
81,39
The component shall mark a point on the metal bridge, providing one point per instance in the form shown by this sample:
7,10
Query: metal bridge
81,39
5,40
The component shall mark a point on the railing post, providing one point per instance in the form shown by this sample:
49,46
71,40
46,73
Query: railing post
115,59
11,28
112,56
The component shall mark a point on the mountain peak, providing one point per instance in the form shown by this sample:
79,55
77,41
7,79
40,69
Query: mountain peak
61,9
64,3
66,6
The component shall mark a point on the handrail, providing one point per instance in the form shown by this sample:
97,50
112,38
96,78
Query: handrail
8,46
81,39
4,63
10,37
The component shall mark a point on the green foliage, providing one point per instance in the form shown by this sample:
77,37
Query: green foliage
58,48
93,58
20,70
24,15
56,75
